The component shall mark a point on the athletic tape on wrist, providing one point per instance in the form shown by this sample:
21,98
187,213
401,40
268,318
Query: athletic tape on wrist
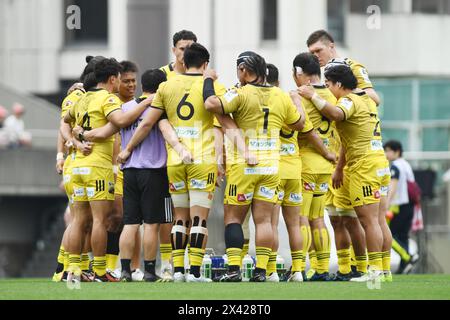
318,102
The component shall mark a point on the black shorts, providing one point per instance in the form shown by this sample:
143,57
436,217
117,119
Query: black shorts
146,196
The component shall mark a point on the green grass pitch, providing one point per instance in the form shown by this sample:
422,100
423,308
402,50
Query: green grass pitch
422,287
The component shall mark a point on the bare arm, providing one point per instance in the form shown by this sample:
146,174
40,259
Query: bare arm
122,119
317,143
392,190
325,108
172,139
373,94
296,99
338,175
97,134
60,154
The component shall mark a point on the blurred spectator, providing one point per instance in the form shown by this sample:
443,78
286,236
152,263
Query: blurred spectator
4,141
15,128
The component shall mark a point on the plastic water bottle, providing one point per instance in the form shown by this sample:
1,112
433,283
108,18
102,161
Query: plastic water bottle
206,266
280,265
225,261
247,268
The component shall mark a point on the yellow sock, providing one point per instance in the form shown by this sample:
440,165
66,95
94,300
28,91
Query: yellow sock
386,257
84,262
375,261
313,259
306,243
352,257
297,259
401,251
272,264
66,261
322,246
178,258
196,256
244,251
344,261
234,256
262,257
361,263
111,261
61,254
74,262
99,265
166,252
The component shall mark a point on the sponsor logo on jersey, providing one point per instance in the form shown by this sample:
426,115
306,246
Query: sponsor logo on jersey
188,132
230,95
376,145
377,194
295,197
66,178
266,192
309,186
287,149
262,144
79,192
324,187
384,190
111,187
90,192
326,142
241,197
281,195
261,170
346,103
383,172
197,184
81,171
175,186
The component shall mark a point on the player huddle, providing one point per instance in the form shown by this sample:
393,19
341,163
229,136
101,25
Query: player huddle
313,149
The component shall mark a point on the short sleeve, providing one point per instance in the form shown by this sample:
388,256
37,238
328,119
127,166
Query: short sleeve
231,101
347,106
292,114
362,76
111,104
158,101
219,89
308,124
395,173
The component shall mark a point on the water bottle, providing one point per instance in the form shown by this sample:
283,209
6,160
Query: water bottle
247,268
280,265
225,261
206,266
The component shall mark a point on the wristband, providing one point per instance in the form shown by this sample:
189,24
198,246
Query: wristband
115,169
208,88
318,102
59,156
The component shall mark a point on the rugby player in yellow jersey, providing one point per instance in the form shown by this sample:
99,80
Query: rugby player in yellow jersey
358,132
66,141
180,40
93,179
316,169
191,185
290,191
260,110
321,44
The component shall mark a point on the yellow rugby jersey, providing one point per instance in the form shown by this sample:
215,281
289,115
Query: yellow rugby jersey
69,101
377,140
168,70
313,161
90,113
261,112
181,98
290,160
360,73
358,130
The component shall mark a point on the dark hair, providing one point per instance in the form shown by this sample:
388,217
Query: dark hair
128,66
272,74
254,63
151,79
195,56
308,62
395,146
342,74
183,35
88,77
321,35
106,68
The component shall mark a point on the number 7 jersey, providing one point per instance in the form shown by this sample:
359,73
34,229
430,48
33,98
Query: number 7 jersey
181,97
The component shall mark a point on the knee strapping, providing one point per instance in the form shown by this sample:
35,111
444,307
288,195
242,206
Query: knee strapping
234,237
198,232
180,200
179,235
200,198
